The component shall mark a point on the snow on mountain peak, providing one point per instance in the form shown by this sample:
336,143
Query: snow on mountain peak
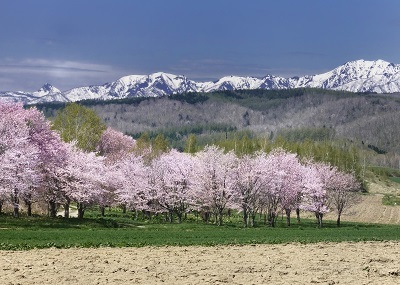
355,76
368,68
233,83
46,89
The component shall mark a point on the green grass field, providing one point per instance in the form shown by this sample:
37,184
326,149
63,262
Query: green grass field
39,232
391,200
395,179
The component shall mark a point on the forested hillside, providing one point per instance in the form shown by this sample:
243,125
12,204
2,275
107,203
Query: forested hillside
370,121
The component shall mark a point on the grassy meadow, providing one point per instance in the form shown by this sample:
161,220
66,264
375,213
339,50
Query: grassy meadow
118,230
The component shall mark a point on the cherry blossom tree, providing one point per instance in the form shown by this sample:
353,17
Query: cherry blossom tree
213,181
18,157
87,179
170,182
281,178
343,191
114,145
291,172
53,190
131,180
3,198
248,184
338,190
30,132
52,159
317,177
18,173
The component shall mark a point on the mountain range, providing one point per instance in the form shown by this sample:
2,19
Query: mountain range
355,76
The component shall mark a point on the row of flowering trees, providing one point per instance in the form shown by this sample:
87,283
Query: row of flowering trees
37,166
212,181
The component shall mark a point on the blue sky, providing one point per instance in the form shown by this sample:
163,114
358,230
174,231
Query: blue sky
75,43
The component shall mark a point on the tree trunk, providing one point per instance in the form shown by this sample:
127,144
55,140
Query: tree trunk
298,215
205,216
179,217
66,208
253,219
16,206
288,212
271,219
245,217
52,209
29,208
146,214
338,220
124,209
220,220
103,211
28,204
1,207
136,214
171,216
16,210
319,219
220,217
81,210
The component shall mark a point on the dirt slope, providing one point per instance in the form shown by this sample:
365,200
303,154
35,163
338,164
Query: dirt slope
371,209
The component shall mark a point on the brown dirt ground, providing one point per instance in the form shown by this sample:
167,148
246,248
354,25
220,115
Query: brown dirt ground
322,263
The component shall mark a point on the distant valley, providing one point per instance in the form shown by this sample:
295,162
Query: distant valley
368,120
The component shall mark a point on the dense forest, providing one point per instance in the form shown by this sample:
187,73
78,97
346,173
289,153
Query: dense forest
368,122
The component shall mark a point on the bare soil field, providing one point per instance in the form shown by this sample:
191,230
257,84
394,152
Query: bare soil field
322,263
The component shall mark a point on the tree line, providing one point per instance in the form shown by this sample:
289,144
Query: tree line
77,159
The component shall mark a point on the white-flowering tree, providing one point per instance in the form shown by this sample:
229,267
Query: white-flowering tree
170,183
130,178
248,183
19,158
213,181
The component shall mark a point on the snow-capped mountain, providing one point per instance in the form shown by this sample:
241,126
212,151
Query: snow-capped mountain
46,93
355,76
46,89
153,85
231,83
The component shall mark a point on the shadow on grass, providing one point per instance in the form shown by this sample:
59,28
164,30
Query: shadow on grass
115,221
37,222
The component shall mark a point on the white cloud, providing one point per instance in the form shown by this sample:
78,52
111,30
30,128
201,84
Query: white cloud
29,74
